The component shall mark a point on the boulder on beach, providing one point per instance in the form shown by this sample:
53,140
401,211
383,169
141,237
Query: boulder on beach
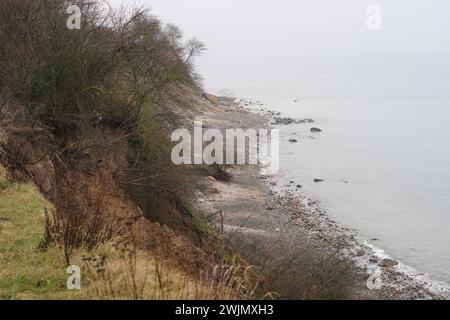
221,175
388,263
360,252
314,129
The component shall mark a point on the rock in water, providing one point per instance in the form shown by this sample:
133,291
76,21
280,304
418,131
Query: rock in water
318,180
293,140
316,129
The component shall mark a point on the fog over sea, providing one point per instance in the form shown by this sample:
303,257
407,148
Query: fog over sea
381,97
385,161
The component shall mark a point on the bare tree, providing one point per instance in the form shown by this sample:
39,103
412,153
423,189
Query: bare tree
193,48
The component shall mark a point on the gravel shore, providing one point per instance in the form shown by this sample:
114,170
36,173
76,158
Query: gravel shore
254,207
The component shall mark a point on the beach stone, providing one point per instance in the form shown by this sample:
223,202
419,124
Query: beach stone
388,263
361,252
316,130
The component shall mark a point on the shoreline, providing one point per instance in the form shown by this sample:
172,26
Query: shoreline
299,219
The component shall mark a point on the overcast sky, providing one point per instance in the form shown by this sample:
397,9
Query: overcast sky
288,37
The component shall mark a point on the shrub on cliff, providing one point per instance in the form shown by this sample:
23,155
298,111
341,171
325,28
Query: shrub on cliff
109,68
110,75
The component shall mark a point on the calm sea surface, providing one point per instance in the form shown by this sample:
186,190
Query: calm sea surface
384,156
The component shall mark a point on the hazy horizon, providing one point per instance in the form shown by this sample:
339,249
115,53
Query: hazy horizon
264,39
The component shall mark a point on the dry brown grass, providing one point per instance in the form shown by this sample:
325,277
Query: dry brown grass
120,272
110,270
303,272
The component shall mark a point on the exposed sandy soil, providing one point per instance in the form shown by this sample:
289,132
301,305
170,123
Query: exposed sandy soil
83,185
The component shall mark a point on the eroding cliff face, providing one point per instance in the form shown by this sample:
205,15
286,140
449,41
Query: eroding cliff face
83,179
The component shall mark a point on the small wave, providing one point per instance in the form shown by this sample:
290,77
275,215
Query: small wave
440,288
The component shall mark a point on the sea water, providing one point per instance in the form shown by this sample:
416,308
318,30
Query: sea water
383,155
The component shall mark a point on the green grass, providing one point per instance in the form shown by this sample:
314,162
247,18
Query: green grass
200,223
27,271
